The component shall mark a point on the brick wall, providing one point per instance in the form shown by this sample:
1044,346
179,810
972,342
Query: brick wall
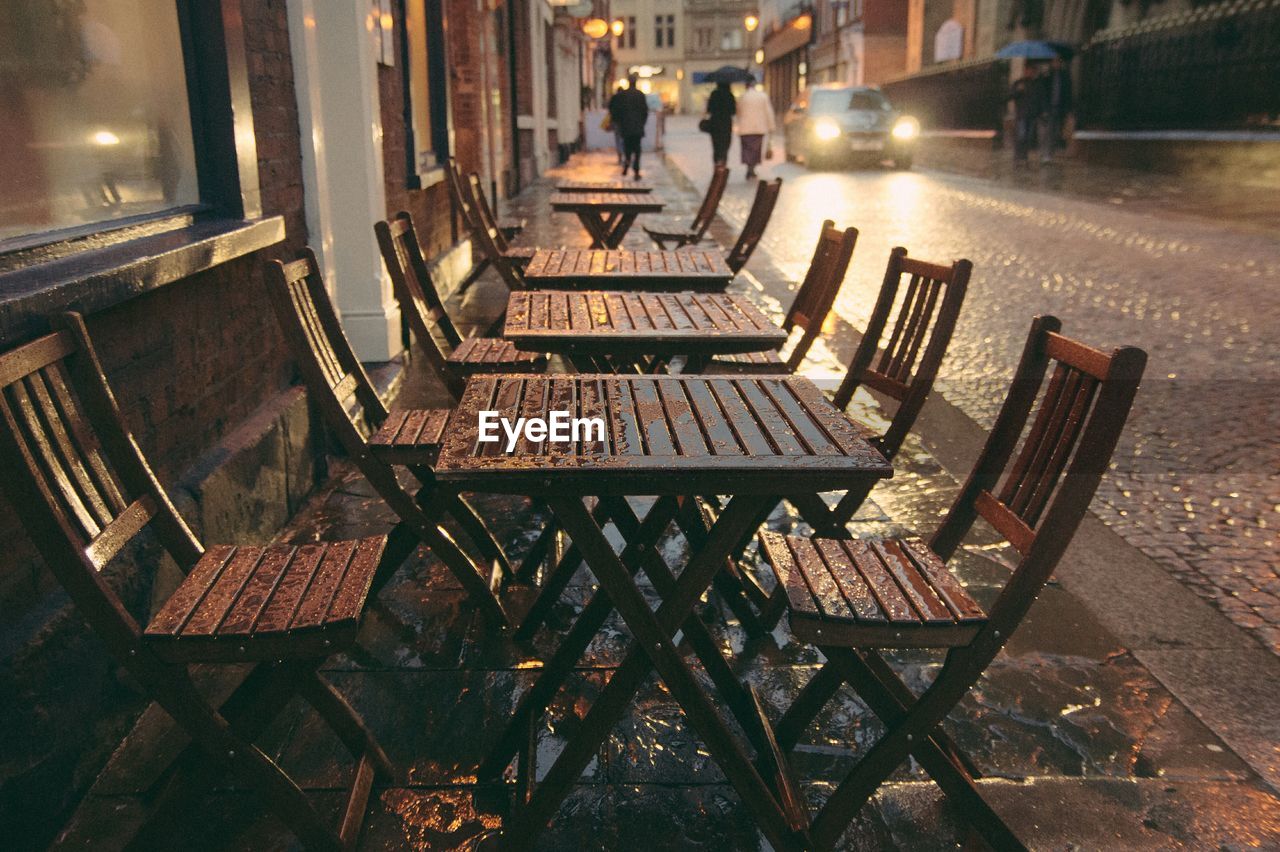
188,363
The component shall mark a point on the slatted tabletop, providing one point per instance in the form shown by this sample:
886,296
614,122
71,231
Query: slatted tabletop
638,323
662,435
604,186
607,202
704,270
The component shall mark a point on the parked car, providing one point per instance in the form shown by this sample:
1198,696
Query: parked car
837,125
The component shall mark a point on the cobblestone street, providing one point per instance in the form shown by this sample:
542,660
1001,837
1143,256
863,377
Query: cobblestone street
1196,485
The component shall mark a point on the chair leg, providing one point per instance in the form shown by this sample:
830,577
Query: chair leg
401,542
916,725
815,694
346,723
946,764
215,735
473,275
460,510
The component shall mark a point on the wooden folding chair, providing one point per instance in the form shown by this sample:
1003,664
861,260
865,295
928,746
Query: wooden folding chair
85,494
377,440
767,192
670,234
421,304
853,598
808,310
491,238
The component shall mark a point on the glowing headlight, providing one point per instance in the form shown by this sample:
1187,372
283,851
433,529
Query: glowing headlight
105,137
906,128
826,129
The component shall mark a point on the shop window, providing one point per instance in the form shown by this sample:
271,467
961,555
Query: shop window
427,93
95,118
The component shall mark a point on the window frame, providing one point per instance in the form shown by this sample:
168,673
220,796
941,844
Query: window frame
93,267
211,36
421,175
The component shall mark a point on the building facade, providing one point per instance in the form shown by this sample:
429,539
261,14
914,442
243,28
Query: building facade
156,154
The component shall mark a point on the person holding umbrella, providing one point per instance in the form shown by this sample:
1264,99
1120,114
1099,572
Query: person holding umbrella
718,122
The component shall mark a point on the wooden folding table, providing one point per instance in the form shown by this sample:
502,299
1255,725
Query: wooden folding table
753,438
703,270
607,331
607,216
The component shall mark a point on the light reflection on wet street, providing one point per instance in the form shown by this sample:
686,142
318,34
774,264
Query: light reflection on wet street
1196,482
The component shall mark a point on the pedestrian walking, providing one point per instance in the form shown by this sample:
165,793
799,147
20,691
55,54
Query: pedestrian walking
755,121
1055,93
610,124
718,122
629,110
1026,98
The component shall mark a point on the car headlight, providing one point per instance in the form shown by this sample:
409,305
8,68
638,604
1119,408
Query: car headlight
906,128
826,129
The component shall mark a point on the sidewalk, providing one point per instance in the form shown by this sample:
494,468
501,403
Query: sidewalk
1070,721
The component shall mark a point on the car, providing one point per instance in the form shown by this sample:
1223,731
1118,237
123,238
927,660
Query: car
833,124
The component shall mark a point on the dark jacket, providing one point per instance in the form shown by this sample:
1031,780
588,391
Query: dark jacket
721,107
629,110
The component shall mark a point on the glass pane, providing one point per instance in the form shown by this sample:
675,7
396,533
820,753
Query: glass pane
94,118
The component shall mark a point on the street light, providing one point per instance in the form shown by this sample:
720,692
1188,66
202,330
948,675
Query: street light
751,22
596,28
618,28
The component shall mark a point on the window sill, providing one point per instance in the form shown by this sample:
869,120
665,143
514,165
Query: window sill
431,177
95,279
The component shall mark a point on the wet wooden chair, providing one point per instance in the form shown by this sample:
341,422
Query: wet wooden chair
671,234
853,598
491,238
378,440
85,493
457,357
808,310
762,205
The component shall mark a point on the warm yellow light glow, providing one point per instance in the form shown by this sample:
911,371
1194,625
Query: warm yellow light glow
618,27
751,22
645,86
679,73
803,22
826,129
760,57
596,28
105,137
906,128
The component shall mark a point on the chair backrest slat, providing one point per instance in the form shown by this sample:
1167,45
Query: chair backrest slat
820,287
324,354
906,366
1079,415
757,220
484,213
76,477
710,203
419,300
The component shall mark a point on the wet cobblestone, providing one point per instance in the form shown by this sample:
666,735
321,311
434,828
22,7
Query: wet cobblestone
1195,483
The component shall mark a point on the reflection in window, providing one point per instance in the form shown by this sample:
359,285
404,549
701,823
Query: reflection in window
94,117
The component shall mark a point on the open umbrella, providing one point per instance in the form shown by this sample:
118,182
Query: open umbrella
729,74
1028,50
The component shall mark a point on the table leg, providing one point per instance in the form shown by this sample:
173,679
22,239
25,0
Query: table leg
618,228
652,649
596,227
590,620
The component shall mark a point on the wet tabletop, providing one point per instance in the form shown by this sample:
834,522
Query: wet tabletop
603,186
647,323
622,202
687,269
657,435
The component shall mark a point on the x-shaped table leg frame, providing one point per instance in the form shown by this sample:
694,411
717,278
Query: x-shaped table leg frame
913,725
654,648
606,230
